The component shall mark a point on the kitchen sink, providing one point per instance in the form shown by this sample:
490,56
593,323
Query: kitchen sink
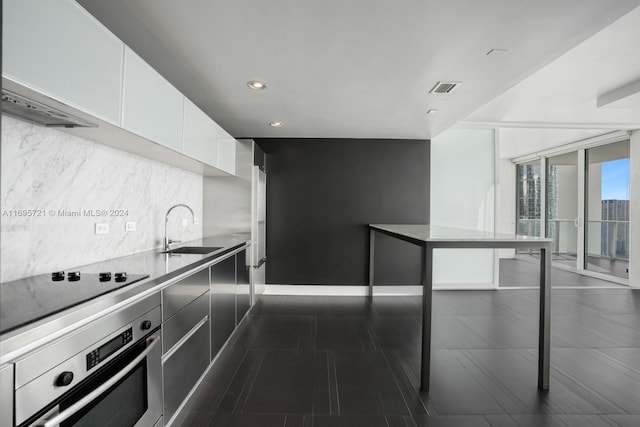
201,250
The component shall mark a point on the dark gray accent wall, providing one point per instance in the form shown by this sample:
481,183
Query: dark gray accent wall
321,194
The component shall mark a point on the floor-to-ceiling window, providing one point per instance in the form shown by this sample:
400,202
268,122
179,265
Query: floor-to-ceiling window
580,198
607,209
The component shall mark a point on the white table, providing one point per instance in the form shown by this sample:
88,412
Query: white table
430,237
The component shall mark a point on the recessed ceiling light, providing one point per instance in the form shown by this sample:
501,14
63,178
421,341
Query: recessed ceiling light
432,111
257,85
276,124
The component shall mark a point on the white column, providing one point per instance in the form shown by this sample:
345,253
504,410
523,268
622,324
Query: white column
634,210
506,207
581,220
462,195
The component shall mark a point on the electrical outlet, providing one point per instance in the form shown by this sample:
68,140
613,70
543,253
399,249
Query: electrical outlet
184,222
102,228
130,226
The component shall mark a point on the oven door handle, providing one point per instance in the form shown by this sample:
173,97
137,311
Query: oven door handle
151,342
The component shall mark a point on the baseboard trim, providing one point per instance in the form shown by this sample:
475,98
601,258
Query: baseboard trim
333,290
318,290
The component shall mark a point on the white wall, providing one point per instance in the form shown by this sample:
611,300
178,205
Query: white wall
516,142
462,195
506,205
51,171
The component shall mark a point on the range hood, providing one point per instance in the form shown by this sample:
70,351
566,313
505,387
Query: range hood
36,112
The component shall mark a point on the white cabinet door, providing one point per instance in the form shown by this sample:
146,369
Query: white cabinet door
59,49
152,107
226,152
199,134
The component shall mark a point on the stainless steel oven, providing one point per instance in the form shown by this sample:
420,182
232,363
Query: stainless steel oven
113,381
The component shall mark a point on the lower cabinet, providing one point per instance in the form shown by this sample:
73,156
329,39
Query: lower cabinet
6,395
223,302
200,312
243,285
180,294
185,338
182,369
178,326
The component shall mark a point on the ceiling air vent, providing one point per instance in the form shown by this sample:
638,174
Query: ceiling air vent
444,87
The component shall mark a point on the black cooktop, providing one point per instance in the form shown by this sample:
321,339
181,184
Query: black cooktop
28,300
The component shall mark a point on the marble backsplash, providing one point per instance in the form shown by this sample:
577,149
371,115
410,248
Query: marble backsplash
55,187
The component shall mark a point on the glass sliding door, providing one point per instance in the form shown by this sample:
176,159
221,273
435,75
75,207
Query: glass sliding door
562,207
529,201
607,209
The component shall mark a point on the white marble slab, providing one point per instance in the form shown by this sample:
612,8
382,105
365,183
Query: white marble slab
62,178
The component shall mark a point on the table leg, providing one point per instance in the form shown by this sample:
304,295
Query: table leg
544,345
427,289
371,257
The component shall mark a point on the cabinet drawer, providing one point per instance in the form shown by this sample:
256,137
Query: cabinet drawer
182,322
6,395
183,369
181,293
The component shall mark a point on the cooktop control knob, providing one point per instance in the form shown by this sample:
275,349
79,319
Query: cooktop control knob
64,379
73,276
57,276
121,277
105,277
145,325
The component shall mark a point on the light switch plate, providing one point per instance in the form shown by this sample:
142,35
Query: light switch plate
196,221
130,226
102,228
184,222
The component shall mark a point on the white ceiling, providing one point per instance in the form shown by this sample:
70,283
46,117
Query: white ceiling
363,69
564,94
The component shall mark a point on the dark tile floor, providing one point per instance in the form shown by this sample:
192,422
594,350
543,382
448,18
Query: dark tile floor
349,361
523,272
618,267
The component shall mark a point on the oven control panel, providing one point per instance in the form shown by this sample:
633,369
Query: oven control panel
107,349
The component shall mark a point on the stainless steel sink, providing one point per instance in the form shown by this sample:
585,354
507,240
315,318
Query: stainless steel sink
201,250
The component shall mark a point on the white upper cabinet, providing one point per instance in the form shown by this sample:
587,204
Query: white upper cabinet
59,49
199,134
152,107
226,160
56,48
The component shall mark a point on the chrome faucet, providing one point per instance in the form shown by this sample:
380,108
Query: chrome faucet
167,241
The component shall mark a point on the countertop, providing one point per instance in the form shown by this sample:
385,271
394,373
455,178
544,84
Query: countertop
423,233
162,268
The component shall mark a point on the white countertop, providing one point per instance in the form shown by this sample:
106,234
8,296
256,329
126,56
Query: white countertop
435,233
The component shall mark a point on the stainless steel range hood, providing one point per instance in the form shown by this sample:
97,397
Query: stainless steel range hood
36,112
